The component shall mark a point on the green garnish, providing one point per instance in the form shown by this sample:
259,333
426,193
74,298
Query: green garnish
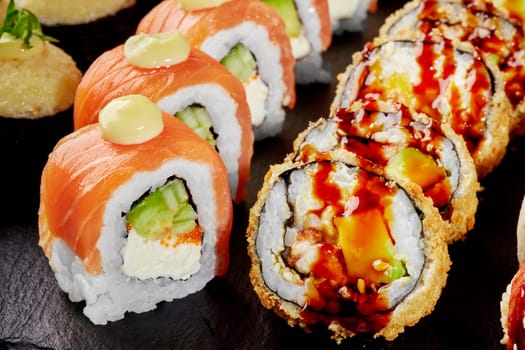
22,24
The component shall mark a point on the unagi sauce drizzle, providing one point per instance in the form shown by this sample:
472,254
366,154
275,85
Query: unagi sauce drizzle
357,139
490,42
467,117
337,296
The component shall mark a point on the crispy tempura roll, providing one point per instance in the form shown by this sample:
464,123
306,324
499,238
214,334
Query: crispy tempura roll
184,82
450,83
499,38
134,210
336,245
407,146
309,29
249,38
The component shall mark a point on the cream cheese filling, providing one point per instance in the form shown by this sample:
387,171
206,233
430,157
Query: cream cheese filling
300,46
256,95
145,259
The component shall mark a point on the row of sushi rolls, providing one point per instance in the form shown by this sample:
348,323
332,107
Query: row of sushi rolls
350,231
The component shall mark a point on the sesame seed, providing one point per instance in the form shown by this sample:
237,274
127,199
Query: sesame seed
361,287
380,265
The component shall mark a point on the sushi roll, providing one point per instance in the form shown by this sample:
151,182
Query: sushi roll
250,39
407,146
450,82
512,304
349,15
64,12
337,246
309,29
134,210
184,82
498,38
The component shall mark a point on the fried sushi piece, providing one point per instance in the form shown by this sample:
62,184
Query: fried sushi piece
448,81
498,38
406,146
309,28
65,12
29,61
134,210
184,82
512,304
335,245
249,38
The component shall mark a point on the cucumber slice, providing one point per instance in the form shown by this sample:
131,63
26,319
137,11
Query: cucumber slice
240,62
199,120
163,210
288,13
184,220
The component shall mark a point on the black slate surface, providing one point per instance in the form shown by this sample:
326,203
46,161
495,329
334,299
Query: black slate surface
36,314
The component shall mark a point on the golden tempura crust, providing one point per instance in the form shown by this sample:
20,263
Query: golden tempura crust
419,303
39,86
67,12
520,234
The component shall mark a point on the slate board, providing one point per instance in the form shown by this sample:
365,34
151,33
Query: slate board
226,314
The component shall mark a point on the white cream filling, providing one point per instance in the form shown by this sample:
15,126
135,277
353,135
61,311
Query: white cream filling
256,95
300,46
145,259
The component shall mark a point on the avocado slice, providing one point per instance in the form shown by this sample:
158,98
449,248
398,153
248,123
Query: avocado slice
288,13
416,166
167,209
198,119
240,62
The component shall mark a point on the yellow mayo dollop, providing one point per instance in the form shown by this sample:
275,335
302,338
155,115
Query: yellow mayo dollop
130,120
156,50
192,5
13,48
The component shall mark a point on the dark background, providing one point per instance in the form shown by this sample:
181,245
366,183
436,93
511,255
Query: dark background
226,314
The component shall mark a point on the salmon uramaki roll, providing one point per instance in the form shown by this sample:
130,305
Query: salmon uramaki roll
336,245
407,146
182,81
450,82
134,210
250,39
